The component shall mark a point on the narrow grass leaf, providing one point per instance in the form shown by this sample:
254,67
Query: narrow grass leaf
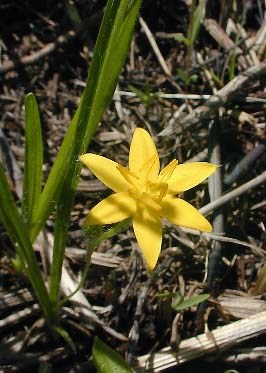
119,46
32,182
193,301
108,360
96,235
177,296
53,185
196,20
81,129
64,334
182,39
109,57
17,231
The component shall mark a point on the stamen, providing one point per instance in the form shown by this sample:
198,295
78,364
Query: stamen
163,191
127,174
144,198
149,163
150,202
148,166
168,170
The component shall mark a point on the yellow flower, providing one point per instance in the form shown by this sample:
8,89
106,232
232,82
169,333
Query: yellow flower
146,194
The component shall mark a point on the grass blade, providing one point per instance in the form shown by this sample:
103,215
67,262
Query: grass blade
182,304
108,360
196,20
109,57
84,123
17,231
32,182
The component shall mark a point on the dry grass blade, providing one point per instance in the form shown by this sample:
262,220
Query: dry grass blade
217,32
248,356
83,307
260,42
19,316
154,46
218,100
215,192
241,305
234,193
217,340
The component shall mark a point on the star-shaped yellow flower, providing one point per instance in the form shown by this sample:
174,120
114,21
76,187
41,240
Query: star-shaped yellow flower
146,194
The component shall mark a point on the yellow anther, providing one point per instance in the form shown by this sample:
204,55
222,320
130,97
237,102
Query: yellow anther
128,175
150,202
163,191
167,171
148,167
149,163
145,198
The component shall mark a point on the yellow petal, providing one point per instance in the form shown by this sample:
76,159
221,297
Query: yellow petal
112,209
183,213
188,175
143,156
106,171
148,230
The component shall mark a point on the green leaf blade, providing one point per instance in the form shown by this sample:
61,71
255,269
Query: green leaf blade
96,97
190,302
197,17
98,93
108,360
32,182
118,49
53,186
17,231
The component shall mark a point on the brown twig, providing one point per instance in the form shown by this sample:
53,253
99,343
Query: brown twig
135,329
154,46
218,33
234,193
32,58
212,236
215,192
245,163
247,356
223,96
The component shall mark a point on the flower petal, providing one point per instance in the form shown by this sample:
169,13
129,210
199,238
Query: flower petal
112,209
188,175
148,230
183,213
143,154
106,171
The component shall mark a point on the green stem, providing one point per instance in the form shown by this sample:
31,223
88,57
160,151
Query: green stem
95,236
189,37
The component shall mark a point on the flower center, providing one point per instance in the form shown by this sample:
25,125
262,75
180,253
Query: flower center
144,188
